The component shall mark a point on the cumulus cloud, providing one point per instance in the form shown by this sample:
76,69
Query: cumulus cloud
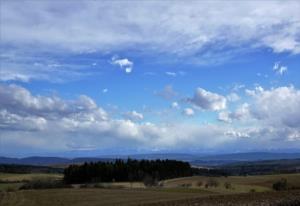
52,123
18,100
10,121
188,112
255,91
278,106
241,113
124,64
208,100
273,112
279,69
134,116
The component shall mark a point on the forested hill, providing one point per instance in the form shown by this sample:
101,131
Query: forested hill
127,170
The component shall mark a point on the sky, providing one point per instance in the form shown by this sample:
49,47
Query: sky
90,78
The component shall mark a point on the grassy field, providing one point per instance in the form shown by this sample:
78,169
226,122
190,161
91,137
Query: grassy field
180,191
283,198
108,197
12,182
91,197
239,184
10,177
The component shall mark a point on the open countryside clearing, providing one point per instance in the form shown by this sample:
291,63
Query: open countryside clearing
179,191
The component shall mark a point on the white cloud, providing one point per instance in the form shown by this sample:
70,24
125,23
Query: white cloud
188,112
208,100
18,100
279,69
51,123
30,29
224,116
233,133
172,74
134,116
175,105
20,67
123,63
105,90
233,97
278,106
255,91
93,26
241,113
167,93
237,87
273,112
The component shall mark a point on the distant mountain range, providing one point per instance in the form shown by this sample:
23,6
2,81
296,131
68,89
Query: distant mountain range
48,161
194,159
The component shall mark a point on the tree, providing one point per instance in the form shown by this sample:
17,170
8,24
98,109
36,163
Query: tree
280,185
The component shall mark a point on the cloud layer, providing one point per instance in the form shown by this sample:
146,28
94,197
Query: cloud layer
84,25
51,123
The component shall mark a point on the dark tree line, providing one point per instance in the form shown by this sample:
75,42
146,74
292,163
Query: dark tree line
130,170
23,169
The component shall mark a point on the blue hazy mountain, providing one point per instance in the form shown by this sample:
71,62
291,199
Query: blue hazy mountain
197,159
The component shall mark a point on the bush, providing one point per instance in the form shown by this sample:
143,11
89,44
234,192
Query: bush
99,185
227,185
280,185
43,183
161,184
150,181
84,186
10,189
186,185
253,190
199,183
212,182
289,202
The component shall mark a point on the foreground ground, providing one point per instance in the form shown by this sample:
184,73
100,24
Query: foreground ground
98,197
249,190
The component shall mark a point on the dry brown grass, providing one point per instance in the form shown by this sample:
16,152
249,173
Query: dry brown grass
172,193
93,197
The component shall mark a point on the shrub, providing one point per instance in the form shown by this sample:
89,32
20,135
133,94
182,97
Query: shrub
227,185
186,185
161,184
10,189
150,181
289,202
280,185
212,182
84,186
99,185
43,183
199,183
252,190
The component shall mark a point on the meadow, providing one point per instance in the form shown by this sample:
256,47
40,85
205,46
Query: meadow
12,181
180,191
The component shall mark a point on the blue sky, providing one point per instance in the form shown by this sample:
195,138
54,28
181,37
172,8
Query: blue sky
92,78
